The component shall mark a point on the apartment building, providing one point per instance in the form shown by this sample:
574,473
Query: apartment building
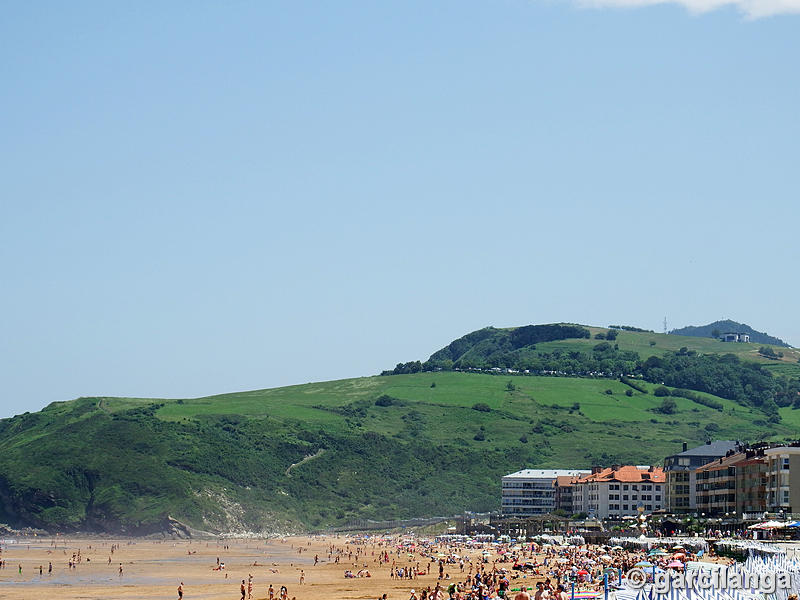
531,492
751,483
619,491
680,471
564,494
782,486
715,487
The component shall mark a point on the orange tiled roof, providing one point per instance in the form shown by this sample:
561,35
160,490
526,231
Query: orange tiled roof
724,462
626,474
562,481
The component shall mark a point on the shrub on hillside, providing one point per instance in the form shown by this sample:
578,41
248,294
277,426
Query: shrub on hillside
481,407
668,406
385,401
697,398
630,382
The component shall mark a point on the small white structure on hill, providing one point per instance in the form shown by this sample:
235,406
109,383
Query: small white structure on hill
736,337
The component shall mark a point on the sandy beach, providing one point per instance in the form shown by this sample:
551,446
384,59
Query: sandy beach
154,569
214,569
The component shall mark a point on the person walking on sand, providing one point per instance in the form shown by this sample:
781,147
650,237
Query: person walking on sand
180,591
243,590
271,592
302,577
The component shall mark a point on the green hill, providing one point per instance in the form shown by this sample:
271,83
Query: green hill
728,326
384,447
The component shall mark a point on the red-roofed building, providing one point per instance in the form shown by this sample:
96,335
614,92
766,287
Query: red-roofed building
564,486
619,490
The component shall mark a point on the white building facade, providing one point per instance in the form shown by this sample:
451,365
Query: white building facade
619,491
532,492
783,479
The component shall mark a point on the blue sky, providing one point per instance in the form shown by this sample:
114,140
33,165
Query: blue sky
206,197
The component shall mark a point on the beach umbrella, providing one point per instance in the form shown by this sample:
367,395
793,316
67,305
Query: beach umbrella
606,557
616,548
643,563
678,548
675,564
583,572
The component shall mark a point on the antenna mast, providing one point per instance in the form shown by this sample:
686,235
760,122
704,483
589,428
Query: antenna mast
665,325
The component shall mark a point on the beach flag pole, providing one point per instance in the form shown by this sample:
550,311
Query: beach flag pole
573,590
620,577
605,584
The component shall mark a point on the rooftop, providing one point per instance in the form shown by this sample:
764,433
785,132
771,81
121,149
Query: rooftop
724,462
783,450
713,449
627,474
546,473
565,480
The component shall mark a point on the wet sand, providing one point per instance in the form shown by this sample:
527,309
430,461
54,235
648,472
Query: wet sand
153,569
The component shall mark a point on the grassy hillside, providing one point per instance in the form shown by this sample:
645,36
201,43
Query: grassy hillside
751,375
728,326
322,453
647,344
640,342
